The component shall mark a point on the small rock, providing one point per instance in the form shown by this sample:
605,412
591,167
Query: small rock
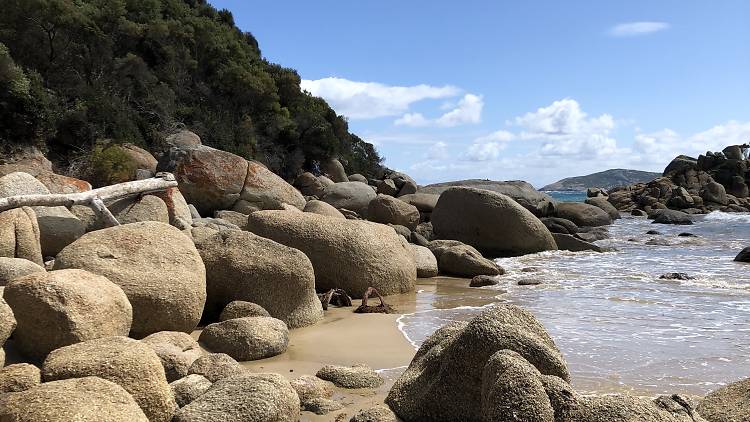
653,232
529,282
189,388
248,338
19,377
743,256
357,376
685,234
482,280
309,387
676,276
321,406
375,414
242,309
216,366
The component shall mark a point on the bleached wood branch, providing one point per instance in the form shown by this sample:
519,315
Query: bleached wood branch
94,198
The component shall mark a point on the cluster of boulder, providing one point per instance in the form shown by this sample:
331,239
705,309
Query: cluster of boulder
101,313
716,181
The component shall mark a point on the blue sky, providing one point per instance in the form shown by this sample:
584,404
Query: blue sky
532,90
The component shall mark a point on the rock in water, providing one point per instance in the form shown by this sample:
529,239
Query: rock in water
462,260
79,399
744,255
727,404
156,266
348,254
357,376
604,204
671,217
567,242
444,380
243,266
491,222
126,362
389,210
483,280
249,338
427,265
583,214
353,196
246,398
64,307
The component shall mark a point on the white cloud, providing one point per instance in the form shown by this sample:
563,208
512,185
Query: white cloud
467,111
665,144
367,100
438,151
488,147
634,29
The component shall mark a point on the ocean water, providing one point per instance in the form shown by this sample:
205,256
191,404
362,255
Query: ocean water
567,196
618,325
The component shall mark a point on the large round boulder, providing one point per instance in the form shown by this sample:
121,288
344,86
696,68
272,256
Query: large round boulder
176,350
12,268
19,377
353,196
462,260
246,398
7,322
671,217
310,185
491,222
583,214
348,254
335,170
267,191
444,380
126,362
425,202
209,178
140,208
427,265
715,192
19,235
249,338
216,366
389,210
156,266
242,309
243,266
58,308
189,388
81,399
58,227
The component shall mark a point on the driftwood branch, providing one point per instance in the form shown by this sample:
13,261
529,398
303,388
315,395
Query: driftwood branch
364,308
336,297
98,205
161,182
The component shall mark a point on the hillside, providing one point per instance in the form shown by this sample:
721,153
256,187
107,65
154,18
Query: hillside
606,179
76,75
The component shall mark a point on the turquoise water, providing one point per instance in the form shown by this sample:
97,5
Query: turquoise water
567,196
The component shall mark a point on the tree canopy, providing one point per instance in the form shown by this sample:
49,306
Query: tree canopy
74,73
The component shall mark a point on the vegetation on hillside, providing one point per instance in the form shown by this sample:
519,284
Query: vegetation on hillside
606,179
74,73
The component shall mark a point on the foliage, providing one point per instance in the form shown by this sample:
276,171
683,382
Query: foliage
109,165
135,70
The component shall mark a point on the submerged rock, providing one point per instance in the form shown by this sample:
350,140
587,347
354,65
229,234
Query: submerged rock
744,255
676,276
482,280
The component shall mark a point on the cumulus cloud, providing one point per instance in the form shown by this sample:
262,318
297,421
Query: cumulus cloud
368,100
438,151
467,111
488,147
634,29
655,147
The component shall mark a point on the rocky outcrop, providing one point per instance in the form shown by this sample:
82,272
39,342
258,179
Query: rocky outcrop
389,210
156,266
126,362
58,308
427,265
19,235
444,381
79,399
521,192
248,338
583,214
357,376
58,227
491,222
248,398
462,260
348,254
604,204
353,196
243,266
